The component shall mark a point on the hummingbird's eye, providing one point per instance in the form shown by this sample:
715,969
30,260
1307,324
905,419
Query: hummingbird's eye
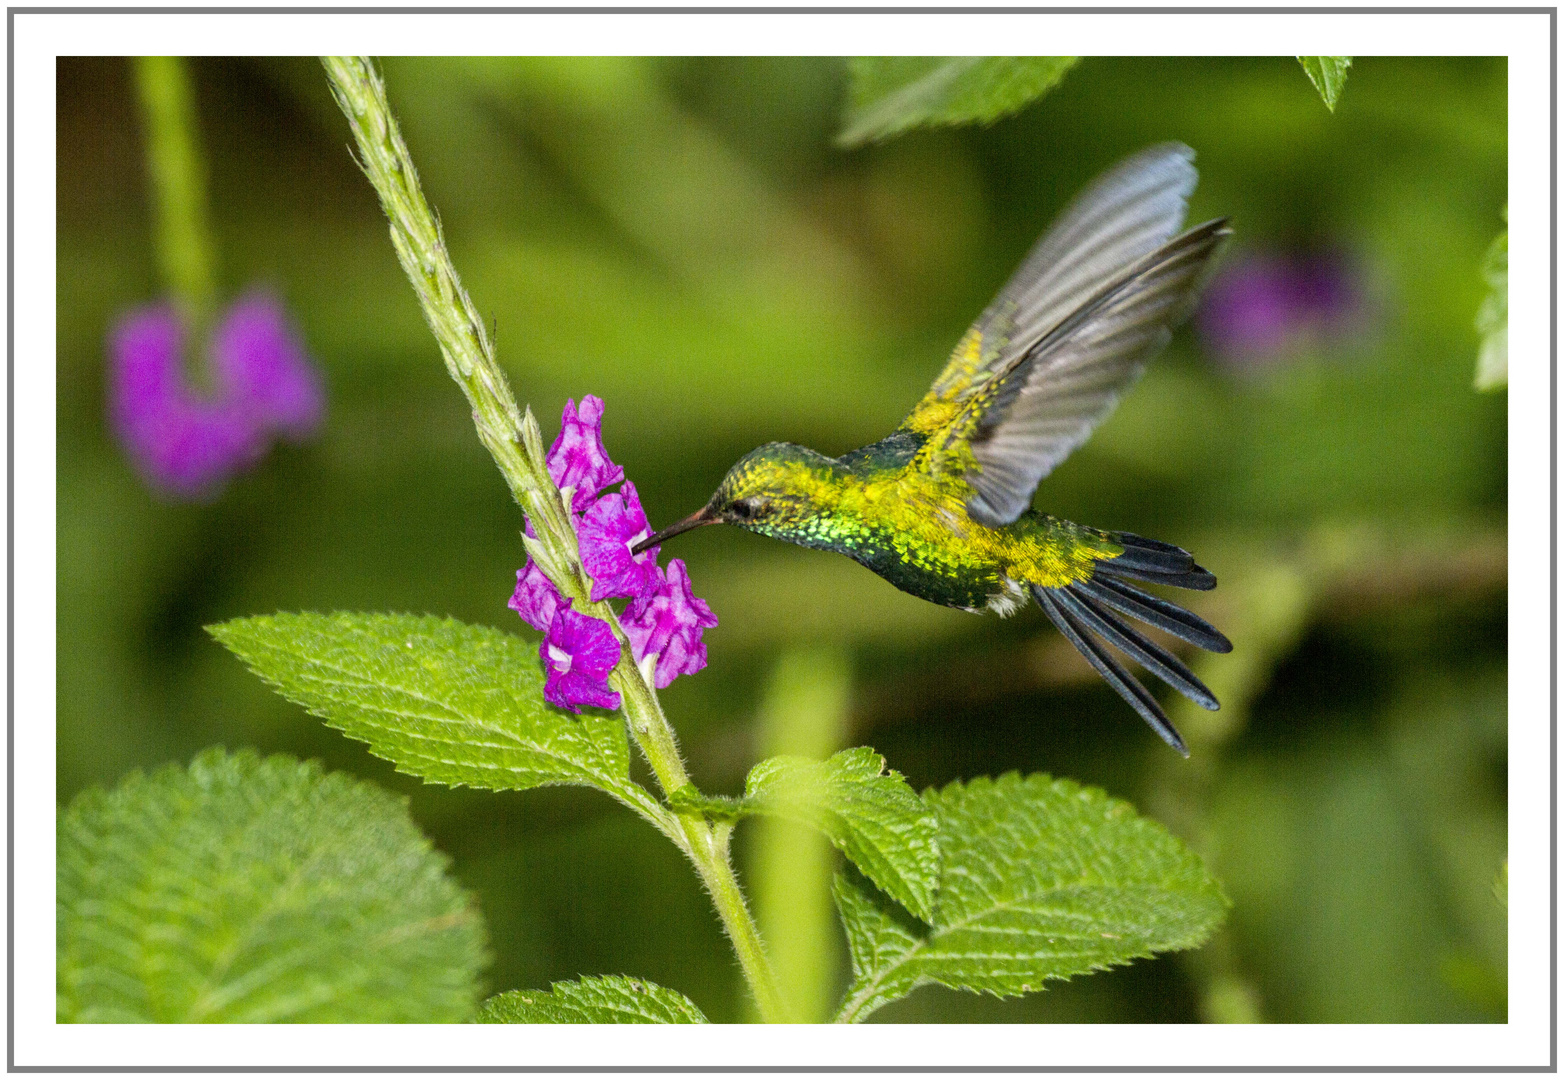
750,509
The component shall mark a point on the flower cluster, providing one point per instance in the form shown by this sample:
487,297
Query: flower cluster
664,620
1262,308
188,443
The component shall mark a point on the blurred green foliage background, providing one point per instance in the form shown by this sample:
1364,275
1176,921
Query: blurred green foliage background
680,237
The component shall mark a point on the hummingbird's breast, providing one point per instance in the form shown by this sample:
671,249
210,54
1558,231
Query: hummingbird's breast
913,530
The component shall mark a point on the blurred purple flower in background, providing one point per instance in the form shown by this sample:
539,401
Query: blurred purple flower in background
664,618
1262,308
187,442
258,354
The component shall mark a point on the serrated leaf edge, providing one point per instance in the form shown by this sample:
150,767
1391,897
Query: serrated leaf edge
624,790
862,1002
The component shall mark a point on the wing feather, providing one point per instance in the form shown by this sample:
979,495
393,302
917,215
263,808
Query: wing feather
1127,214
1029,419
1049,358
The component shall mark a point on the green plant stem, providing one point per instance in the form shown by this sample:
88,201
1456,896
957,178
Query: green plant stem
804,713
515,442
178,179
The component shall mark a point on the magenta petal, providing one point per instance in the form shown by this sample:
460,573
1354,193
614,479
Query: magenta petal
578,653
535,599
670,623
184,443
577,459
257,353
683,656
608,530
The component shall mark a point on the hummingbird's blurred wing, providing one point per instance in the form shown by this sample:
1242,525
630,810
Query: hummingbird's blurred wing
1073,328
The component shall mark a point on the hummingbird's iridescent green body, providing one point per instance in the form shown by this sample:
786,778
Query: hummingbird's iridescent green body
941,507
878,506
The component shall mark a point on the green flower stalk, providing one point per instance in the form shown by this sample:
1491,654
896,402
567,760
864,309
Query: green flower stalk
178,174
512,437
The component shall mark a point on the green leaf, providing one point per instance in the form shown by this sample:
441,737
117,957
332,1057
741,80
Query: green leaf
1328,74
451,703
243,890
1039,879
1493,318
871,816
602,999
890,94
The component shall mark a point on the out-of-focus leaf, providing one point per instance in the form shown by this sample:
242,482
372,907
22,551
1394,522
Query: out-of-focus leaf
1040,879
243,890
1493,318
1501,885
1417,815
600,999
451,703
871,815
891,94
1328,74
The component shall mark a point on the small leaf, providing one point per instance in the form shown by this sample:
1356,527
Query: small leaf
1328,74
1493,318
891,94
602,999
451,703
871,816
1040,879
243,890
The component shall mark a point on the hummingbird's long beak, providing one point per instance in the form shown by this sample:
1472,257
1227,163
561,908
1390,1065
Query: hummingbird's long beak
704,516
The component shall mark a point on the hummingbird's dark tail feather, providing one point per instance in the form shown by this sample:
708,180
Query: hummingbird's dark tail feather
1197,577
1132,643
1127,686
1165,616
1156,562
1084,612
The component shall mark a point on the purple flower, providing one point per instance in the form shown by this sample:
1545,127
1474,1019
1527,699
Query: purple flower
1264,306
578,653
669,623
258,355
577,459
183,443
535,599
187,442
664,619
609,529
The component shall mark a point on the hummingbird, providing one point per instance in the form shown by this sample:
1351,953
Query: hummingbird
942,506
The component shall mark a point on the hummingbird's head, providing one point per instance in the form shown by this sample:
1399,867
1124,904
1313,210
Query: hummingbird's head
776,490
